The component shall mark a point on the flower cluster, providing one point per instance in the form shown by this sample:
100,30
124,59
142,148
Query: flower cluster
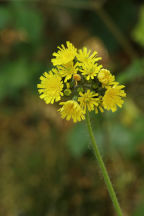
79,83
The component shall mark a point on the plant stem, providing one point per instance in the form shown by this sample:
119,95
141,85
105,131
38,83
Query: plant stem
103,168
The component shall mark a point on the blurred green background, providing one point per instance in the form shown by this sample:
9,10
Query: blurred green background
47,167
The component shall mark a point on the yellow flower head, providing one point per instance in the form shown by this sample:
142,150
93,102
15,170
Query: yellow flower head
112,97
64,55
51,86
80,83
90,70
88,100
105,77
68,70
84,56
71,110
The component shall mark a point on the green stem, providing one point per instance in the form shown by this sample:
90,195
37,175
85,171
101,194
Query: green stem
103,168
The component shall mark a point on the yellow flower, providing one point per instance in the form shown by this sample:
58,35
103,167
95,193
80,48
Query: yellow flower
88,100
84,55
105,77
64,55
90,70
112,97
83,84
71,110
51,86
67,70
99,108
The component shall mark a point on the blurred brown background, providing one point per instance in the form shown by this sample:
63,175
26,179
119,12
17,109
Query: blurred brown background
47,167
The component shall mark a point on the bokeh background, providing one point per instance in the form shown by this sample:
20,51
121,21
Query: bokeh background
47,167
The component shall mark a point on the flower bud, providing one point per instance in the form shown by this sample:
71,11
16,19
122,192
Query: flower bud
77,77
67,92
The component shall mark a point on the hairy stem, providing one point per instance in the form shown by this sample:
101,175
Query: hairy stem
103,168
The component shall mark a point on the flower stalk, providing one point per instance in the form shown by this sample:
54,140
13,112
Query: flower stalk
103,168
81,85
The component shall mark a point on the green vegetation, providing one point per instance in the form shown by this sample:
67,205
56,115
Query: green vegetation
47,167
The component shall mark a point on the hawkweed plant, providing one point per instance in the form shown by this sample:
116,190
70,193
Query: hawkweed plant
81,85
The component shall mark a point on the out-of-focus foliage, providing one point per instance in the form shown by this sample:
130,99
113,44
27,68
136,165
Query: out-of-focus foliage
125,135
133,71
22,18
16,75
122,13
41,176
138,32
78,140
47,165
21,37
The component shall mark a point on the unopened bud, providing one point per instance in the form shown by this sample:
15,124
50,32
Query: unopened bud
67,92
77,77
